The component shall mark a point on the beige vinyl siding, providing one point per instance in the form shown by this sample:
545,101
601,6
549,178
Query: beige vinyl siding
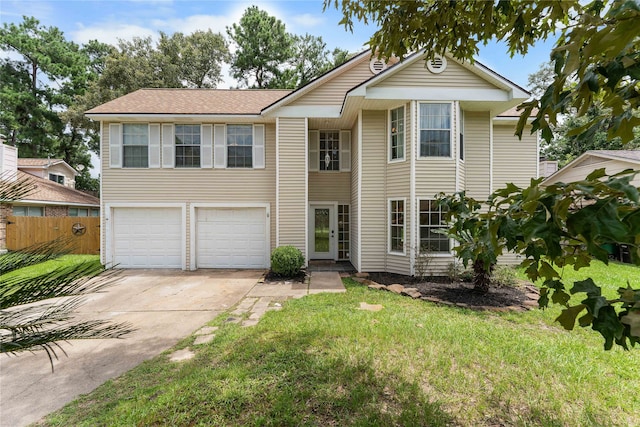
330,187
292,158
514,160
332,92
477,160
374,198
591,163
354,210
417,75
398,186
185,185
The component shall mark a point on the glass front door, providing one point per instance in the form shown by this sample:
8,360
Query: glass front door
322,232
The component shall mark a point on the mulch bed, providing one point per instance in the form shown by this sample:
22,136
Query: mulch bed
443,290
272,277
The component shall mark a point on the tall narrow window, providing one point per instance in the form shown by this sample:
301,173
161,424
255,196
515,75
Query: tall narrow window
397,134
135,145
432,220
396,226
187,138
239,146
329,152
435,130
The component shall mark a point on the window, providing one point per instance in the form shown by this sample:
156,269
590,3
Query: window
432,220
28,211
396,226
95,212
343,231
187,139
397,134
329,150
56,178
435,130
78,212
239,146
135,145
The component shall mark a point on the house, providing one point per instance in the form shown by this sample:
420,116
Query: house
344,168
53,194
613,161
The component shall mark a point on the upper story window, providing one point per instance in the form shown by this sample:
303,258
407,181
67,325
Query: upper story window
397,134
187,140
329,150
56,178
135,145
435,130
239,146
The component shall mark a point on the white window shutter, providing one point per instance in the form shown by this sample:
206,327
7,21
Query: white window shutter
206,146
219,146
345,151
115,145
314,150
168,146
258,146
154,145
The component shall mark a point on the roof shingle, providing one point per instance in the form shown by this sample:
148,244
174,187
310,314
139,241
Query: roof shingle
49,191
191,101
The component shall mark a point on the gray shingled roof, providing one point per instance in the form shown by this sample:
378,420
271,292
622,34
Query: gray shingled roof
49,191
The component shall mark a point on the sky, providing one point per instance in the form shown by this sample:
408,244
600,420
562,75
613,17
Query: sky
110,20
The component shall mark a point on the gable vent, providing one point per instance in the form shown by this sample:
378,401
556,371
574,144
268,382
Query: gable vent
437,64
376,66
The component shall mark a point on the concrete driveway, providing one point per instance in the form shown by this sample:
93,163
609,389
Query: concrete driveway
163,305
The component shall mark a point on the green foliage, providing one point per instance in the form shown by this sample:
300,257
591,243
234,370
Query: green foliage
504,275
269,57
41,73
597,48
286,261
560,226
263,46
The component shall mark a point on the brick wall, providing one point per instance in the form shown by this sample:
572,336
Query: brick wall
5,211
56,211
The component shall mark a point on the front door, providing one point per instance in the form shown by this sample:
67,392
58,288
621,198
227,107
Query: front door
322,228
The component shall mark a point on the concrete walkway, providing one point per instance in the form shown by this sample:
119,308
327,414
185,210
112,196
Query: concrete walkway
164,306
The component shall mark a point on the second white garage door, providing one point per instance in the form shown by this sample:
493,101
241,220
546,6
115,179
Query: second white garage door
231,238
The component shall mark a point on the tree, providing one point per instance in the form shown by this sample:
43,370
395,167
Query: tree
597,47
263,49
41,79
37,311
557,227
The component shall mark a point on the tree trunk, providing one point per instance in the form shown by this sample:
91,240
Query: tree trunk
481,277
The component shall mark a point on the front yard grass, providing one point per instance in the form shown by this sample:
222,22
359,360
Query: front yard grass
51,265
322,361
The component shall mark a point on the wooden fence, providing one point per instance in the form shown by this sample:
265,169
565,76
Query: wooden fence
82,232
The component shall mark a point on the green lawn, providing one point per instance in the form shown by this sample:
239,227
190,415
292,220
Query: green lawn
321,361
48,266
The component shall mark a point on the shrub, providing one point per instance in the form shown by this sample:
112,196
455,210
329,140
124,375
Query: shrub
286,261
504,275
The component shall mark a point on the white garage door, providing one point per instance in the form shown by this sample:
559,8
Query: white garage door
147,237
231,238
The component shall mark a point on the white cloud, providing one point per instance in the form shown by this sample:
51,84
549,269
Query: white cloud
308,20
110,32
189,24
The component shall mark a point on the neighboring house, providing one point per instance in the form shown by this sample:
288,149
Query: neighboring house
48,198
344,168
56,170
613,161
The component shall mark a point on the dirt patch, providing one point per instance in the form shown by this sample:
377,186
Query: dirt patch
272,277
461,293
